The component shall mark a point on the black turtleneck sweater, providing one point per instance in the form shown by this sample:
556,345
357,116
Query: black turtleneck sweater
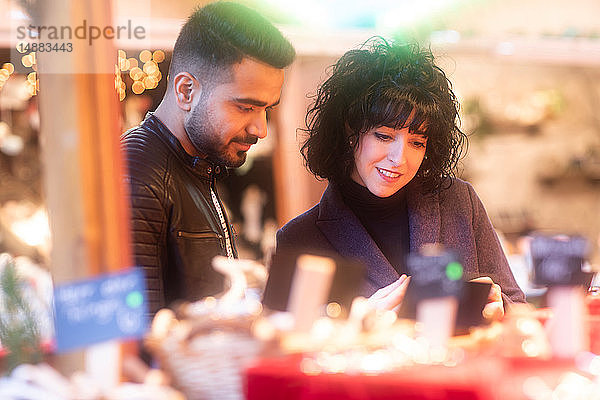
384,218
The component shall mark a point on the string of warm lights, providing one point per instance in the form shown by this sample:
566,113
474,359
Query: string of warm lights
29,60
5,73
32,82
145,73
145,78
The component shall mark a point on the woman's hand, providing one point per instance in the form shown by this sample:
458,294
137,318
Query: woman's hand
494,309
391,296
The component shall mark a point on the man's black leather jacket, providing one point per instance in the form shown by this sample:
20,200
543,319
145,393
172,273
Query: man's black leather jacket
176,230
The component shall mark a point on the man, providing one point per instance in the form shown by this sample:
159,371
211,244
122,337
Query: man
226,72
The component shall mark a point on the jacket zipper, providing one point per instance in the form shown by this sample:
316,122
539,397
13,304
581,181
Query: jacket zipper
201,235
229,244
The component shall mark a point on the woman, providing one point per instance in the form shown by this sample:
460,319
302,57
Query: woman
383,131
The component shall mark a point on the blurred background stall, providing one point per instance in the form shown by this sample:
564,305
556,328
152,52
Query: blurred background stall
526,72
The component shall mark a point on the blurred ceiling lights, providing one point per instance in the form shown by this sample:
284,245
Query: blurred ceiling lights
144,78
382,15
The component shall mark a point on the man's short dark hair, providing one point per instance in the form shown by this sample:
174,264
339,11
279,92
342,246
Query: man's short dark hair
384,84
221,34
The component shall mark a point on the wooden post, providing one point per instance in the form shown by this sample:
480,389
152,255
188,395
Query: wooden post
80,129
296,189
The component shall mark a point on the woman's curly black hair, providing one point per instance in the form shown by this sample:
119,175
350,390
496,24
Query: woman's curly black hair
381,84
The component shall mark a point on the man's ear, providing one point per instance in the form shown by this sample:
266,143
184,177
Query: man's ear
187,89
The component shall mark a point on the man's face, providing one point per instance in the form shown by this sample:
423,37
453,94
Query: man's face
225,123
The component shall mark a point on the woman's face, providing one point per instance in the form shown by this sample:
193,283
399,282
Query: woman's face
387,159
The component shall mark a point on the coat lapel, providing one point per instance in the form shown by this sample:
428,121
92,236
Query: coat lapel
423,218
347,235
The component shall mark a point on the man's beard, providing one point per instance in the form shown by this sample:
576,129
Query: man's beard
207,139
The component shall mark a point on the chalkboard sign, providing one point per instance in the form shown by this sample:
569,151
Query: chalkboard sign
347,279
471,301
558,260
107,307
438,275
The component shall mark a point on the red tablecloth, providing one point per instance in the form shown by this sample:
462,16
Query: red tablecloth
484,378
480,378
283,379
593,304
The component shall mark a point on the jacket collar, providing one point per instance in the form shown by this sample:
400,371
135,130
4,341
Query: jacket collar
347,235
199,165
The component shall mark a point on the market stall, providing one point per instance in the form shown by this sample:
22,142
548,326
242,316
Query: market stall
73,316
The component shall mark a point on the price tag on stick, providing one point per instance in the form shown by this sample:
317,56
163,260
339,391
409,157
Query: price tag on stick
558,260
557,263
436,280
435,275
107,307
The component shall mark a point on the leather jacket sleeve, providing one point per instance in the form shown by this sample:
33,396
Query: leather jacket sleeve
148,234
146,178
175,227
